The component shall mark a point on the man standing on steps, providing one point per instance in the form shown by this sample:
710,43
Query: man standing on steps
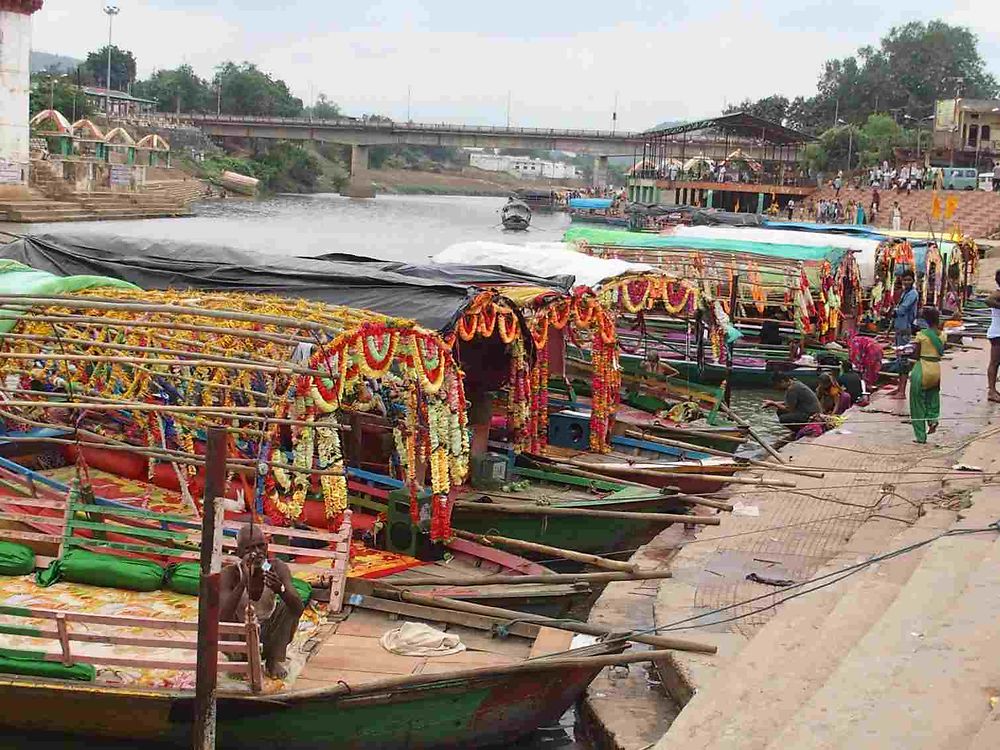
996,177
897,217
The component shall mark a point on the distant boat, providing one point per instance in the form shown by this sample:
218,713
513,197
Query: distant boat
239,183
538,200
515,215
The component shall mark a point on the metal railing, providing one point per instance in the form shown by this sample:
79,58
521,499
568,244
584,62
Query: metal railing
346,123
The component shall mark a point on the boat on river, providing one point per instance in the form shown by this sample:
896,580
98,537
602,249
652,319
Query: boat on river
597,211
515,215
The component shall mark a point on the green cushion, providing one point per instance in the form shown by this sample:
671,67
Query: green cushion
38,668
16,559
184,578
82,566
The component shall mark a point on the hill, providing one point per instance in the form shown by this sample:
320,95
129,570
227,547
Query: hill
48,62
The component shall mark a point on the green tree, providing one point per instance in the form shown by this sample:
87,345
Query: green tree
879,136
59,92
773,108
247,90
180,87
324,109
95,68
912,66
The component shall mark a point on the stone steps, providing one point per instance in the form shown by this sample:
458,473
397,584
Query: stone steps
745,705
977,212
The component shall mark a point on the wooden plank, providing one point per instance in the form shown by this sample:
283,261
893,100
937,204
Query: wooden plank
376,660
436,615
121,661
63,635
291,532
550,641
229,628
253,651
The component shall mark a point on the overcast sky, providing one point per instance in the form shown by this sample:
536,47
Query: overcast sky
562,62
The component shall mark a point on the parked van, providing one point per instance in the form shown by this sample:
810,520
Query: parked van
986,181
957,178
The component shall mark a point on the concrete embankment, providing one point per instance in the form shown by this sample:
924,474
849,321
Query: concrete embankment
858,662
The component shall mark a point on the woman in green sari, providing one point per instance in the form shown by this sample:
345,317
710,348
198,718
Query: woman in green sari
925,377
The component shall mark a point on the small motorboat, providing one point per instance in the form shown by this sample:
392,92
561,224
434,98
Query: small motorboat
515,214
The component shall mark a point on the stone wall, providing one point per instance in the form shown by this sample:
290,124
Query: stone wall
15,48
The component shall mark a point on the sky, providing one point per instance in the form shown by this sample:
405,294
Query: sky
560,64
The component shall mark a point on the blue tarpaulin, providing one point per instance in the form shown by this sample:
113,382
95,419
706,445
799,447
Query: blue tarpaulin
590,203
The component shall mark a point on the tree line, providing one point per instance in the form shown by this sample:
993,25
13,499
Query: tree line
234,89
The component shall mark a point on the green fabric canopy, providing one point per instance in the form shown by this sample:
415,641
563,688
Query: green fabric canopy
647,240
17,278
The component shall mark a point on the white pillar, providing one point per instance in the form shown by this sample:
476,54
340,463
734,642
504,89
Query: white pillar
15,84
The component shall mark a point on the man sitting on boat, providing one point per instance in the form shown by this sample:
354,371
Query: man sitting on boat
800,404
266,584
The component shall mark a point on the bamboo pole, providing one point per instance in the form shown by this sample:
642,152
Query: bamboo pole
404,583
753,433
714,452
566,554
543,664
652,470
383,592
232,412
551,510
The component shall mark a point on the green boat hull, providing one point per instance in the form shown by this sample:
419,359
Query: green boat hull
448,713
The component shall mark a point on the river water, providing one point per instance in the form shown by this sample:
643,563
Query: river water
393,227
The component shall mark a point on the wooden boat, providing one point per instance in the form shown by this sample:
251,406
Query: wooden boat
538,200
464,558
596,211
549,487
515,215
450,706
239,183
344,688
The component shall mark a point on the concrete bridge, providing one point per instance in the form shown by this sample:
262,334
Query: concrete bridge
363,134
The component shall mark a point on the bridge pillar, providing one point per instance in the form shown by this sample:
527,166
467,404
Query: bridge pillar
360,184
600,172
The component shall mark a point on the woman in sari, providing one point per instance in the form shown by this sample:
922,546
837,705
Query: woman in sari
925,377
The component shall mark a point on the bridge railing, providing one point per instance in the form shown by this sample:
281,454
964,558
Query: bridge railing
347,123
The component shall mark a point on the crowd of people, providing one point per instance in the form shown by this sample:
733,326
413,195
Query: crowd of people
918,334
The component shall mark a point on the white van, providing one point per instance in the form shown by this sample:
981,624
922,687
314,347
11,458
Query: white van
986,181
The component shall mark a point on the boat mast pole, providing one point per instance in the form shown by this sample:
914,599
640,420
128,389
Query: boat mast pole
207,669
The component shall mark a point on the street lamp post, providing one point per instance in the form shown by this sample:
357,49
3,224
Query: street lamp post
850,143
111,11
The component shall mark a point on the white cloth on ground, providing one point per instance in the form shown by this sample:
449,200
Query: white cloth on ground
419,639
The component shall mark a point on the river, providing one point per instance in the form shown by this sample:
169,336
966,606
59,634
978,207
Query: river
394,227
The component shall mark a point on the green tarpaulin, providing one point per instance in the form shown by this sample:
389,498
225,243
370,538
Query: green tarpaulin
16,559
81,566
619,238
17,278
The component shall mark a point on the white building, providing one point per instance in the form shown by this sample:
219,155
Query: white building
15,83
523,166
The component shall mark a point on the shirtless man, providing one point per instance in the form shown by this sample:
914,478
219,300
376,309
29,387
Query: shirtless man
278,605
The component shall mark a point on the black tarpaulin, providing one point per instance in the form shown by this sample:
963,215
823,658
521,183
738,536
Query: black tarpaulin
456,273
434,303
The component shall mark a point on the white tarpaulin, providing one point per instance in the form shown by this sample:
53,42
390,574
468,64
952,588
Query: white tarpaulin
541,259
865,248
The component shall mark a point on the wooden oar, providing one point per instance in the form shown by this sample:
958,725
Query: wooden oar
545,549
532,665
404,583
551,510
373,588
753,433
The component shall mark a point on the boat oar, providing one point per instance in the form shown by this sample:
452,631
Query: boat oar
405,583
697,500
544,549
753,433
553,510
373,588
661,471
543,664
723,454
